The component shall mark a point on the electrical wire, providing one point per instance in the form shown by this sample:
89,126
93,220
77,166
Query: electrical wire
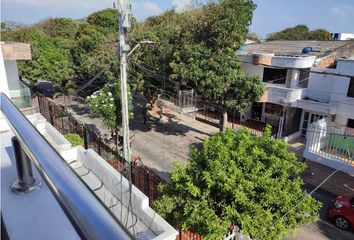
304,198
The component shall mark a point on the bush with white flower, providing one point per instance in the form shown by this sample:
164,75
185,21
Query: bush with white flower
106,102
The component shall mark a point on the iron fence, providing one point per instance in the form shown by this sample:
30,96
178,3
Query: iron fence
143,178
331,141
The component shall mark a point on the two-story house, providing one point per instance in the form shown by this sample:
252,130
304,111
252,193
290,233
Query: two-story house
286,67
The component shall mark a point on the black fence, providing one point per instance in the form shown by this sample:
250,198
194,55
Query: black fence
143,178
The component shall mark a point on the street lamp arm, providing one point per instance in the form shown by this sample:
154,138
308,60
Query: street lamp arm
142,42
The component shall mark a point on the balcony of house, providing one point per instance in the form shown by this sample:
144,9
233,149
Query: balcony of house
81,196
270,59
279,94
331,145
309,104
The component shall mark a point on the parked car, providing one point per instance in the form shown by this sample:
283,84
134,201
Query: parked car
341,210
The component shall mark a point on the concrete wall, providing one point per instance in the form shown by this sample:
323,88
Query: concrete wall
113,187
12,74
320,87
4,86
254,70
345,36
333,89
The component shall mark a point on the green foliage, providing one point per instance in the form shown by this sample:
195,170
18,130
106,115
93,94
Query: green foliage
74,139
58,27
107,104
50,61
198,48
26,34
237,179
105,20
300,32
320,35
4,28
254,37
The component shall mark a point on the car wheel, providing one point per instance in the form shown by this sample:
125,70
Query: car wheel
341,223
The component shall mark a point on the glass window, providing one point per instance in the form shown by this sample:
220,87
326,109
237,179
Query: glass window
350,123
274,75
351,88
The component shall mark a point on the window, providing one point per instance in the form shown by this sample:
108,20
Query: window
351,88
274,75
350,123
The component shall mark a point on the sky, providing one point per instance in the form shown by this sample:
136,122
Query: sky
270,15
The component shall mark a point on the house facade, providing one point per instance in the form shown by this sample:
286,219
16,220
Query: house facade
293,73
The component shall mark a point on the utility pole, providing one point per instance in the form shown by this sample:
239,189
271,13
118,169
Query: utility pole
124,21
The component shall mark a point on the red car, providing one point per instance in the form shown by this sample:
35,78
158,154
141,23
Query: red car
342,211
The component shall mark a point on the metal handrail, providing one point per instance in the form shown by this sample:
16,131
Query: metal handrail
87,214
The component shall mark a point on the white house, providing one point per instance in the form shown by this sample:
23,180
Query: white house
10,83
286,67
342,36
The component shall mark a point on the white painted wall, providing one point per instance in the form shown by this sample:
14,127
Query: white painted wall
253,70
333,89
12,74
345,36
4,87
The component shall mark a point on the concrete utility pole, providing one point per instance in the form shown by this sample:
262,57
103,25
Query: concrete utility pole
124,21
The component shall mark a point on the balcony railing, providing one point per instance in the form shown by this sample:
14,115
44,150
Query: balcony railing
21,97
86,213
282,95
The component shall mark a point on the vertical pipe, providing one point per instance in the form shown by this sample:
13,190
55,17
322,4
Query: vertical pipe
26,182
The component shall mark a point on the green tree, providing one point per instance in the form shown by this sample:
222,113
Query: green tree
50,61
300,32
58,27
320,35
105,21
238,179
106,103
4,28
206,59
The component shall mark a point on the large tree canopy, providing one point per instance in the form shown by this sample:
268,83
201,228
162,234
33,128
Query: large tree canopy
238,179
195,48
300,32
199,46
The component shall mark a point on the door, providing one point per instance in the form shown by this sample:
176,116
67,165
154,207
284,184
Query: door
257,111
308,119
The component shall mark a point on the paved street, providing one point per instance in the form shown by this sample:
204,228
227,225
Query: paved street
322,229
159,142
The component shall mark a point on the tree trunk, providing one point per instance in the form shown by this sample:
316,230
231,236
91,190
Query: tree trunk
223,121
65,104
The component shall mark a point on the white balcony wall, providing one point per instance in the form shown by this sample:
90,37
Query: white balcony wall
293,62
285,96
12,74
326,86
253,70
108,185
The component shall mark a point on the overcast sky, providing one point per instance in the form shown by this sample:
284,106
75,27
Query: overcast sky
270,15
